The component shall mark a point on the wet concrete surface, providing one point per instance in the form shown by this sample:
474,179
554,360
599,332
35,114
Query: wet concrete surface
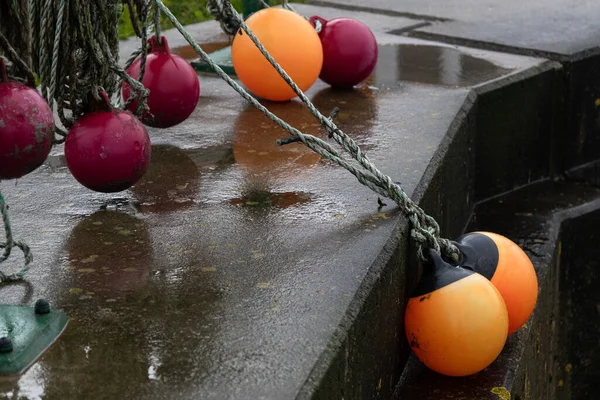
179,288
438,65
225,272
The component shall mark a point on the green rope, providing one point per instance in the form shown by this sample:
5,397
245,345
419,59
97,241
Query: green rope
424,229
10,244
57,37
76,49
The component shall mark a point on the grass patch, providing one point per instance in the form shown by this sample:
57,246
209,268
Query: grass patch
186,11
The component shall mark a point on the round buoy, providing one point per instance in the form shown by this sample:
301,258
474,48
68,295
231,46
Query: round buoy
26,128
456,322
507,266
107,150
291,40
349,51
173,84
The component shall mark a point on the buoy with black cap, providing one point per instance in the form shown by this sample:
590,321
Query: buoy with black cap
456,321
506,265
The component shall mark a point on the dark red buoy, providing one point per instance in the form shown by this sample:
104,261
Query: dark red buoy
26,128
107,150
349,51
173,84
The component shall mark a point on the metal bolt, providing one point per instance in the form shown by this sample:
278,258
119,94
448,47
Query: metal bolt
6,345
42,307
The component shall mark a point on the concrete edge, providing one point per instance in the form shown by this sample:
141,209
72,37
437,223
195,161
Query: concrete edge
372,10
502,48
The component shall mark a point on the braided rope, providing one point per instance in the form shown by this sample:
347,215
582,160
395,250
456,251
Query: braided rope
223,15
9,244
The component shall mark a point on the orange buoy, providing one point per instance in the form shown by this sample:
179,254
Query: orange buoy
507,266
291,40
456,322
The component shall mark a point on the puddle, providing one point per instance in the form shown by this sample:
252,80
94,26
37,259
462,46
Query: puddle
170,183
358,110
434,65
189,54
108,252
255,146
261,199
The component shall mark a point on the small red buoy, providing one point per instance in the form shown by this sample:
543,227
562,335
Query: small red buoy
173,84
107,150
349,51
506,265
456,322
26,128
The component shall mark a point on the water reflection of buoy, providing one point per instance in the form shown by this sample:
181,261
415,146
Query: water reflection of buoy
255,146
358,109
109,253
171,181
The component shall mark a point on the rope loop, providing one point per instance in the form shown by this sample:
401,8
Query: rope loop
9,244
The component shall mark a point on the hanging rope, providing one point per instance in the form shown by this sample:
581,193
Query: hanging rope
9,244
424,229
74,47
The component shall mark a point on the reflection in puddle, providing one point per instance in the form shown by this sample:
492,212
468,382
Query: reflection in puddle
435,65
188,53
255,144
263,198
31,385
358,109
108,252
170,183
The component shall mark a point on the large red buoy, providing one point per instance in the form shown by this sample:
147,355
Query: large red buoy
26,128
349,51
107,150
507,266
173,84
456,322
